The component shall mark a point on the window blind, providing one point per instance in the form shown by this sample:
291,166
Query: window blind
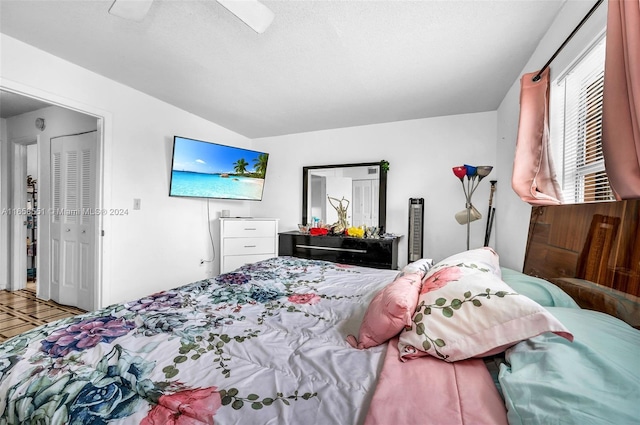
578,114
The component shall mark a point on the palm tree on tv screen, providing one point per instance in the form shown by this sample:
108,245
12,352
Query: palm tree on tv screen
260,164
240,166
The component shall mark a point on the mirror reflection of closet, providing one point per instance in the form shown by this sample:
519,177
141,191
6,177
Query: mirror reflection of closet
31,217
362,185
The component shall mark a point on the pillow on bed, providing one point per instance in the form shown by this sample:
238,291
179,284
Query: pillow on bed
389,311
423,264
541,291
465,310
485,258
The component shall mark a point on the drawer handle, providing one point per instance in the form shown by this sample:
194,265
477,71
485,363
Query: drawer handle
250,246
328,248
249,228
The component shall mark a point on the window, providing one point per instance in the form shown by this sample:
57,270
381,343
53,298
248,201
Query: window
576,128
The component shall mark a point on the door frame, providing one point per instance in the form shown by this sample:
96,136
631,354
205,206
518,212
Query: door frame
104,119
18,193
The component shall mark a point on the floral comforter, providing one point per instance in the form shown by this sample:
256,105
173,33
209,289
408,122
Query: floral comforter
262,345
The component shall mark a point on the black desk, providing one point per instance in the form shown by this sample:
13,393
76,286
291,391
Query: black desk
377,253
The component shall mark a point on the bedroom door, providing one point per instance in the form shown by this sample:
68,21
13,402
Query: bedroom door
73,219
362,205
365,202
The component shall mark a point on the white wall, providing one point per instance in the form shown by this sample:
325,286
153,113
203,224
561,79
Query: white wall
421,154
160,245
512,214
32,161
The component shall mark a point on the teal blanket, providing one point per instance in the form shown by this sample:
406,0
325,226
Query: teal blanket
593,380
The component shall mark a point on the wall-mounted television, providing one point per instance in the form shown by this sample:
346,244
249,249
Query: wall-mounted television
202,169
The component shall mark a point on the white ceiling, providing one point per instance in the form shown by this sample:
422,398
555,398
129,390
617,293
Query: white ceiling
12,104
320,65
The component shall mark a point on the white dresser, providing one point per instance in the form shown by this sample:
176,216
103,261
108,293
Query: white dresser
247,240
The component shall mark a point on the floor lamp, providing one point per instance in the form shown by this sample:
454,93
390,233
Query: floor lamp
473,176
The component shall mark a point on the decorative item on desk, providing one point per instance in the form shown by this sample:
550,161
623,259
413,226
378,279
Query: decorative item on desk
473,176
342,224
356,232
318,231
372,232
303,228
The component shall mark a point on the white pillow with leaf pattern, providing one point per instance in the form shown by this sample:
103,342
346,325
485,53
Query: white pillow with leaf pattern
465,310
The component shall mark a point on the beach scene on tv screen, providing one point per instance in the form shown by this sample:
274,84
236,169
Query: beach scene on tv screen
209,170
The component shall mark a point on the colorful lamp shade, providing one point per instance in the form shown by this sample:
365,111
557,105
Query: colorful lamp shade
474,174
471,170
483,170
460,171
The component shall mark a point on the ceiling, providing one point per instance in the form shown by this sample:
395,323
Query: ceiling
12,104
320,65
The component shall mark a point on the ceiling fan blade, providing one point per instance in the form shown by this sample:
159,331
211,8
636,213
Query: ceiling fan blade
253,13
134,10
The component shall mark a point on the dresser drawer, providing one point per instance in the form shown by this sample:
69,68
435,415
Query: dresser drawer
246,240
249,228
232,262
249,246
377,253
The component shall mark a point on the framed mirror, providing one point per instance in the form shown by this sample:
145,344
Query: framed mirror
363,186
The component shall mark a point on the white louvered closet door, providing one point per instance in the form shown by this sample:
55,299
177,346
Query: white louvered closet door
73,219
361,203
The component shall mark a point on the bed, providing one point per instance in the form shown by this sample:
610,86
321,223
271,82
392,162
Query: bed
291,341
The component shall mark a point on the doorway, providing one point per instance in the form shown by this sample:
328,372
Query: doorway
32,216
12,245
22,215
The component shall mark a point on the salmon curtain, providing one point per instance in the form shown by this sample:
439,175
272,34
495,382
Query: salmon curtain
534,178
621,99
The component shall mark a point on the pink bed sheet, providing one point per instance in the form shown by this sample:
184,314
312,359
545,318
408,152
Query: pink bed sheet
429,390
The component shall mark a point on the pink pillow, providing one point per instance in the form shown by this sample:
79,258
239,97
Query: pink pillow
389,312
465,310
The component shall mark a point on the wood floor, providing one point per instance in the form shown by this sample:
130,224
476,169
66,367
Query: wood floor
21,311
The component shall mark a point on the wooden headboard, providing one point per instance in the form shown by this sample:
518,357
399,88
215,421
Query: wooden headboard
592,251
